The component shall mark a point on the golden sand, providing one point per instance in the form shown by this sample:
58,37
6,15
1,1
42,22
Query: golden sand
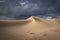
33,28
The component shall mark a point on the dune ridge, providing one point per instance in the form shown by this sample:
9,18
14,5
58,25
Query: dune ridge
32,28
32,19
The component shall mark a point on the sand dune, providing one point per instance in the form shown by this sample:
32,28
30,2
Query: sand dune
33,28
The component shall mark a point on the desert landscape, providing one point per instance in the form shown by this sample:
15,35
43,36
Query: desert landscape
32,28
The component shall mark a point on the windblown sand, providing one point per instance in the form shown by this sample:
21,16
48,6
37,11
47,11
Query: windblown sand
33,28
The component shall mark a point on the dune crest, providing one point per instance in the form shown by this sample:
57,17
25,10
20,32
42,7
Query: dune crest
50,21
34,18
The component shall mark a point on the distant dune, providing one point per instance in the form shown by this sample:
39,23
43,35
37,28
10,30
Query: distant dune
32,28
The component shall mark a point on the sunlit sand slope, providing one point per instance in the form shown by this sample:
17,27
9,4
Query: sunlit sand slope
33,28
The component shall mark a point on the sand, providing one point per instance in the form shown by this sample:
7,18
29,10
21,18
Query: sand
33,28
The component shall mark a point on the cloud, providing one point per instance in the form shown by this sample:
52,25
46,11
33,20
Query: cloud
17,8
5,18
25,9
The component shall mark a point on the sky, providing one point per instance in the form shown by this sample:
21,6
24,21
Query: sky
22,9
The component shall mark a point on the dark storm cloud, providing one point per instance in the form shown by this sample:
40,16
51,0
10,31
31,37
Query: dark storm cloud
24,8
49,6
